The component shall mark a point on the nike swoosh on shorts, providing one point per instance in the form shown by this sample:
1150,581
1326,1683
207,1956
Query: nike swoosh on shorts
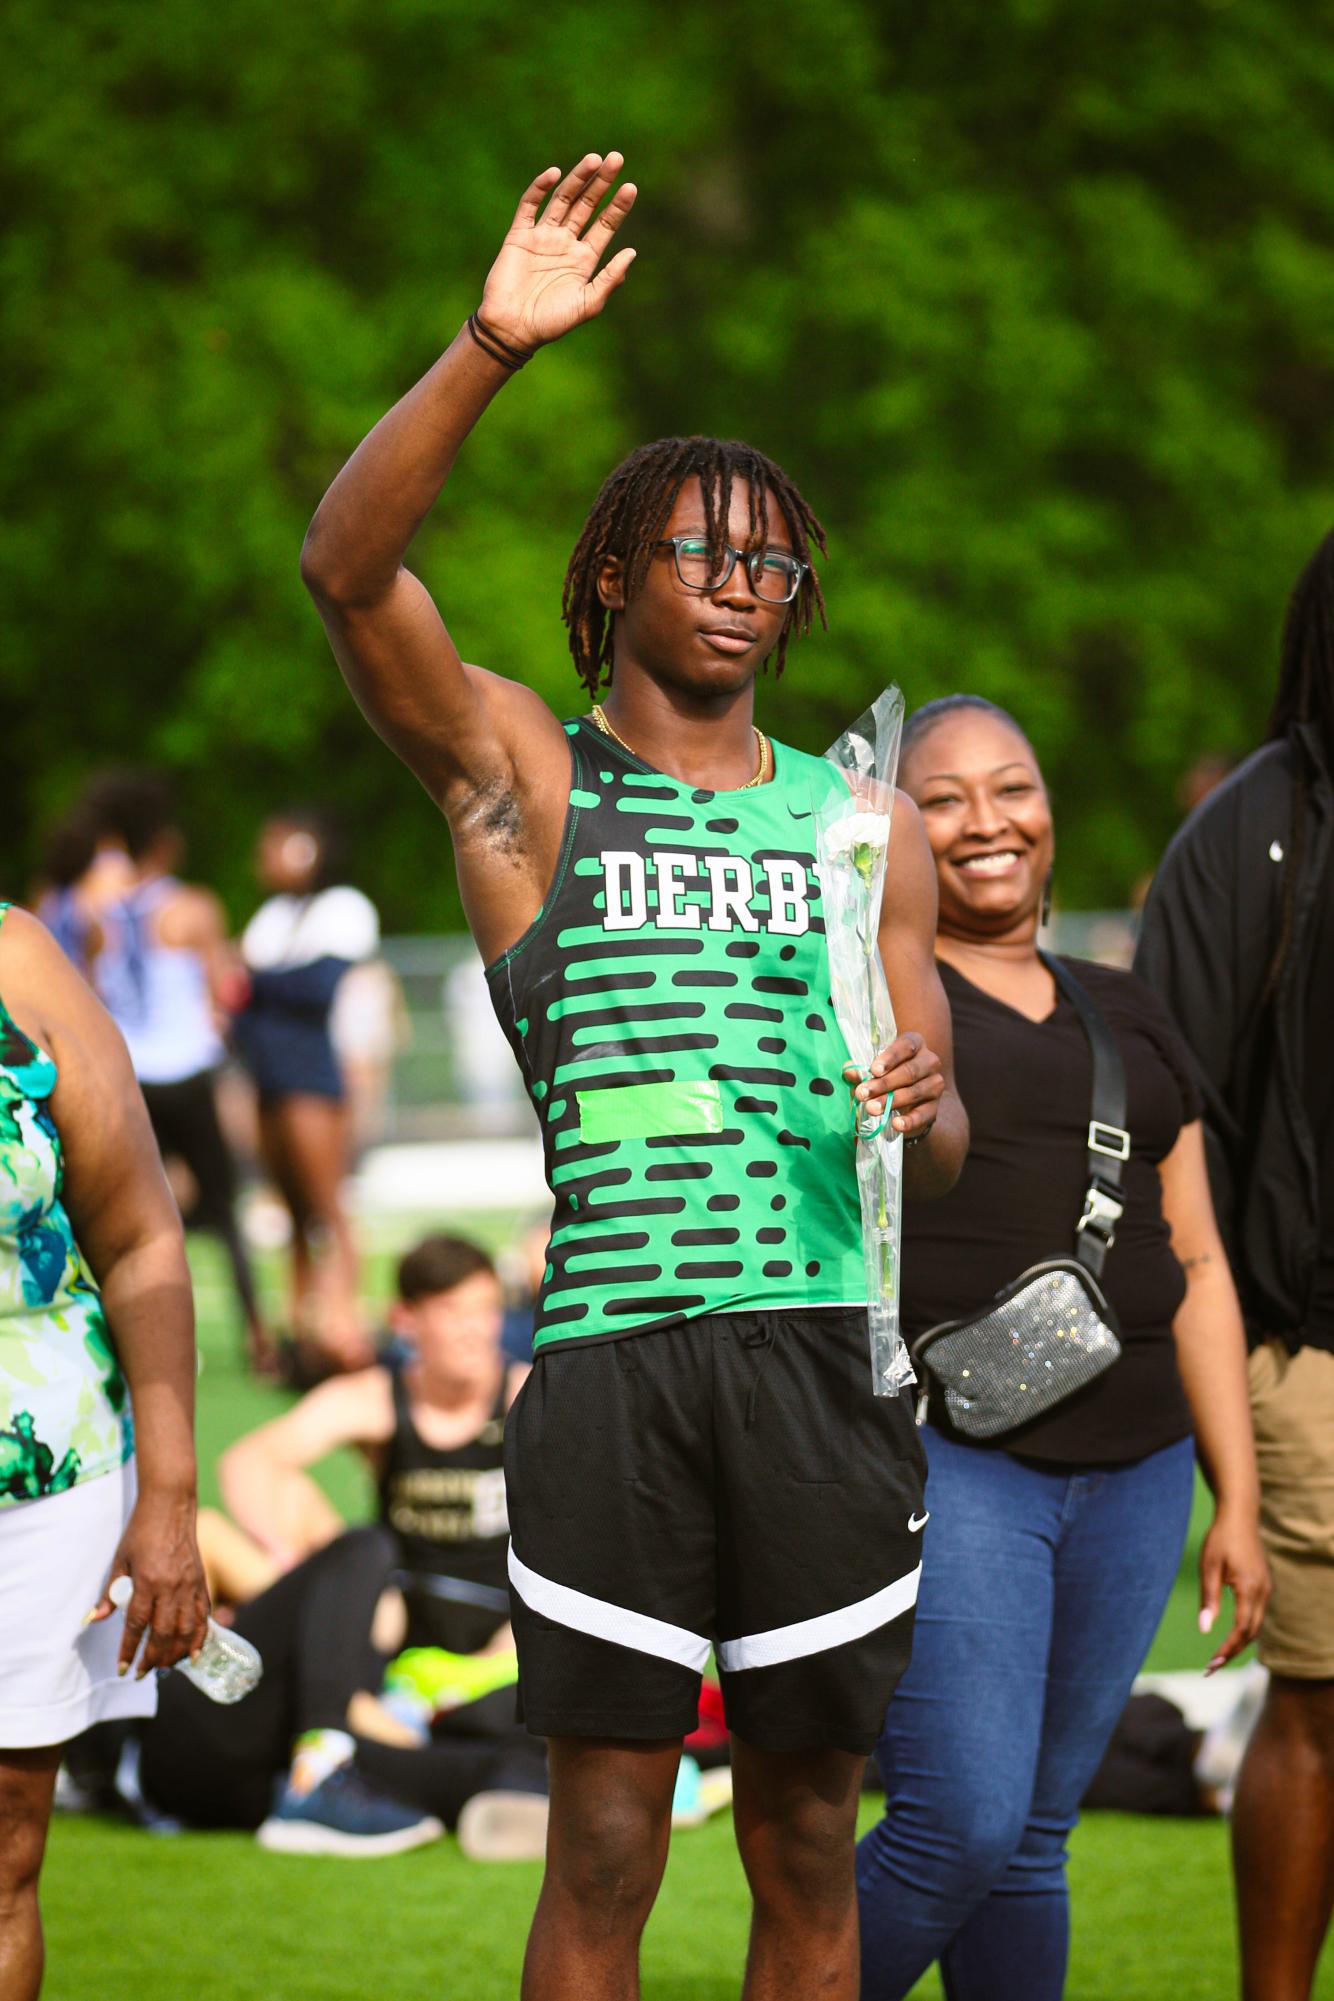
916,1522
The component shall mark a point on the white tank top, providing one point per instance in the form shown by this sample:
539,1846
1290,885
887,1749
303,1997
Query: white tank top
157,994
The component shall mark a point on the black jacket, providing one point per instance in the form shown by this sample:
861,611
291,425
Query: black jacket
1209,934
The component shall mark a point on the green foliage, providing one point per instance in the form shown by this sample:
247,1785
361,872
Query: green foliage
1033,298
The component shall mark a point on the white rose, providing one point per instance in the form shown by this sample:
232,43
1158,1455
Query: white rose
868,832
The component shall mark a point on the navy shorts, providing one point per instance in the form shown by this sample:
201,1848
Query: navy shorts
727,1484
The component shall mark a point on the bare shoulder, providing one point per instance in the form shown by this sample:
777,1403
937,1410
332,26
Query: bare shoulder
368,1400
22,935
528,783
345,1410
504,788
39,985
907,820
910,875
192,917
522,721
96,1102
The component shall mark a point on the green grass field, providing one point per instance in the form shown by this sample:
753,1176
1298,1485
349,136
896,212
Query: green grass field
213,1917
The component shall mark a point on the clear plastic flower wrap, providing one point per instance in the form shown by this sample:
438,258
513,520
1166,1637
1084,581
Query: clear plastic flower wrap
852,841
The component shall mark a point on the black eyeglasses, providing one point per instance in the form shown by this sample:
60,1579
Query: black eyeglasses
773,575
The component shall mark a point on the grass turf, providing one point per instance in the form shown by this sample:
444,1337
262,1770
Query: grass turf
213,1916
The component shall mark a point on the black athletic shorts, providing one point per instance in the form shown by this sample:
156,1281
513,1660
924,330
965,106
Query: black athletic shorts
728,1483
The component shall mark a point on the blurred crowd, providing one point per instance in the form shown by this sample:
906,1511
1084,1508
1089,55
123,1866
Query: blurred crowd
272,1047
299,1008
386,1709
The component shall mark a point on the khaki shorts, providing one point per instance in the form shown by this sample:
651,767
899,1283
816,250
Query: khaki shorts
1292,1404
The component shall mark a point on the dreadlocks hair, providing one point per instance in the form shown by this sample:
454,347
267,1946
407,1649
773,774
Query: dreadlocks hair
630,513
1304,697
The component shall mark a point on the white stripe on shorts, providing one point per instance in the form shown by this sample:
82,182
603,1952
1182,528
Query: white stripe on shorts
816,1636
605,1621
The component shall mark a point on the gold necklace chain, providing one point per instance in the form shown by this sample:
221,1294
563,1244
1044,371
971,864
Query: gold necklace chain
761,745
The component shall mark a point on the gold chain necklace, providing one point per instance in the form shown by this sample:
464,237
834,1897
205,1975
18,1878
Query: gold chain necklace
761,745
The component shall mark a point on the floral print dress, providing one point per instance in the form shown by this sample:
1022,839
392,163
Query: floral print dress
64,1405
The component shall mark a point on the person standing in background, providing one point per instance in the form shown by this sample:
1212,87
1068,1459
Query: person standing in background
1238,938
168,977
296,949
369,1025
97,1361
71,886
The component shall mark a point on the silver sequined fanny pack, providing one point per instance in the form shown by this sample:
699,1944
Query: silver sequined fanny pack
1051,1331
1042,1338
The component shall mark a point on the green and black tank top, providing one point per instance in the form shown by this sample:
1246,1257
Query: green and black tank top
669,1008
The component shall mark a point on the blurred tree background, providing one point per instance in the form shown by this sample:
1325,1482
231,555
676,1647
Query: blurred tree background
1035,298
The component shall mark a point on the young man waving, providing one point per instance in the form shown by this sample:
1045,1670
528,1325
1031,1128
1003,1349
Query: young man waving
697,1459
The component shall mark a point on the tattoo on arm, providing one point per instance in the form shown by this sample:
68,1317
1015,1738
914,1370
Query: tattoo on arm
1189,1265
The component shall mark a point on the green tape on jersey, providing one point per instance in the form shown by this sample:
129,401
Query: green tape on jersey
649,1111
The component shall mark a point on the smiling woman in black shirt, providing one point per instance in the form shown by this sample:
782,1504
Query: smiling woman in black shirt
1052,1550
1023,1187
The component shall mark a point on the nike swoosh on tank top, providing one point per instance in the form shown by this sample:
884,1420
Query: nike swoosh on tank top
669,1008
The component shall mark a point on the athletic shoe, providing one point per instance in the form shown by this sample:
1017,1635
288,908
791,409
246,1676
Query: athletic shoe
439,1681
504,1827
344,1816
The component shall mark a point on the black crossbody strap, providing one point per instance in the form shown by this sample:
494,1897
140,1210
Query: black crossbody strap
1108,1137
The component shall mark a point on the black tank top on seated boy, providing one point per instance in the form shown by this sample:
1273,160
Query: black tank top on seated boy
446,1506
1028,1088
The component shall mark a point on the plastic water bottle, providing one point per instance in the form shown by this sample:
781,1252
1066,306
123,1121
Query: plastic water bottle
227,1667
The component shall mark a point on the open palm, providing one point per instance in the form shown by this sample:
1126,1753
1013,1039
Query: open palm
546,278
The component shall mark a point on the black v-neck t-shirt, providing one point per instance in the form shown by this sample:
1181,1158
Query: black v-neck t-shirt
1028,1086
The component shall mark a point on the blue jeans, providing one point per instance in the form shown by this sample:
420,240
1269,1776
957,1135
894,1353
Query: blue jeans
1041,1593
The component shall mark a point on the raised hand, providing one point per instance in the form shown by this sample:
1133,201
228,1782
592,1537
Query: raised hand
546,278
